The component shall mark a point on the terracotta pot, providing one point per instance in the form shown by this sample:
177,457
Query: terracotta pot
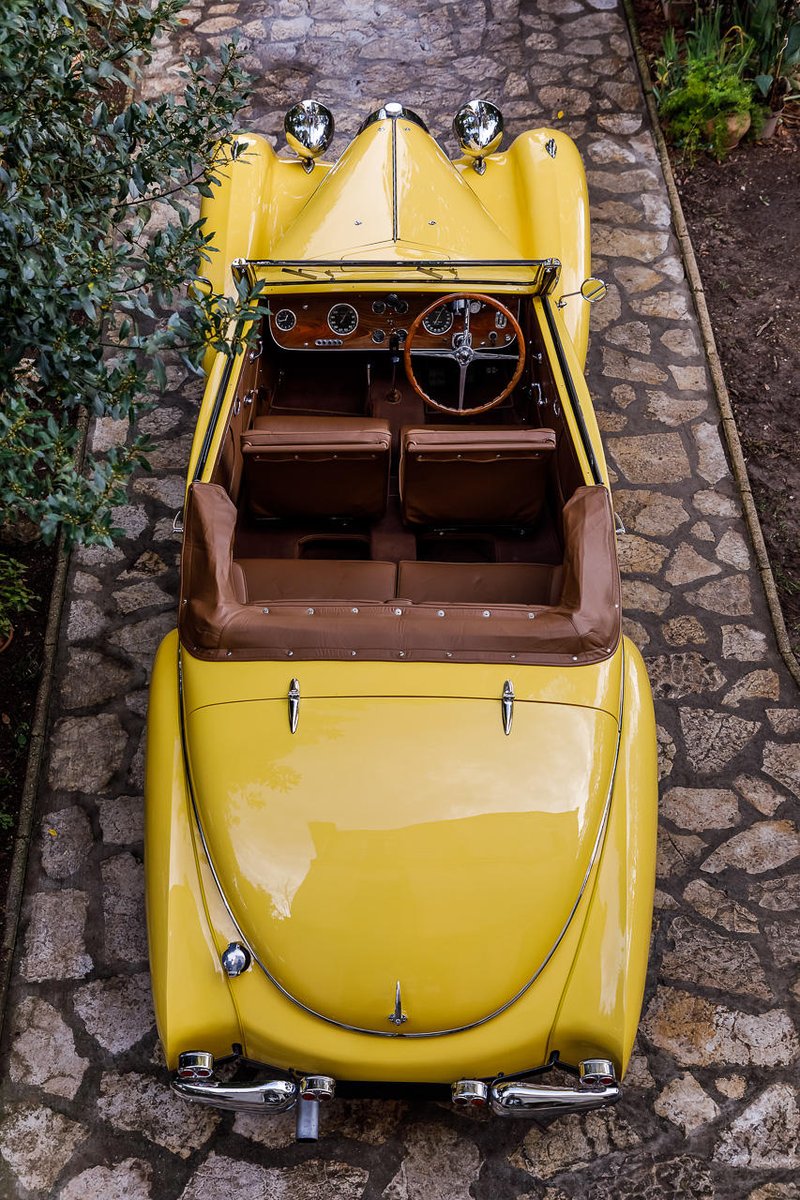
769,127
4,644
736,126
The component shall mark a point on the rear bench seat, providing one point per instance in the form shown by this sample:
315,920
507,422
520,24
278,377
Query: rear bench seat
274,609
262,580
478,583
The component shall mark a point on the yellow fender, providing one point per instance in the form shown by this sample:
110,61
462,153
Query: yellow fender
604,994
192,999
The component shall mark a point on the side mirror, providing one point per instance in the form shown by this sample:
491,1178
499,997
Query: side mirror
309,128
478,126
591,289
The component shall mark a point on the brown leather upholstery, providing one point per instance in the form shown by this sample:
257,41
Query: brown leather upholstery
478,476
308,467
269,579
478,583
582,627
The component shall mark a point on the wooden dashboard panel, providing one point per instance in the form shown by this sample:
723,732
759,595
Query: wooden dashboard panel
371,320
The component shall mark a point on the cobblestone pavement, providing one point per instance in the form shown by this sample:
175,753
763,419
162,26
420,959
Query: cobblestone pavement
711,1109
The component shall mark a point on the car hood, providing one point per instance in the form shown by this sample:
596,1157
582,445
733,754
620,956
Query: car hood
394,194
401,840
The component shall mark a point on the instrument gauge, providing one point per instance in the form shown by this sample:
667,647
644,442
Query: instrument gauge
438,321
343,319
285,320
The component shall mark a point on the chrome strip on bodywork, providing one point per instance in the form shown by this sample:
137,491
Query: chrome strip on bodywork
380,1032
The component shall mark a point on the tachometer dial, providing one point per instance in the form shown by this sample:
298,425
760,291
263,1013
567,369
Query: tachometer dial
439,321
285,320
343,319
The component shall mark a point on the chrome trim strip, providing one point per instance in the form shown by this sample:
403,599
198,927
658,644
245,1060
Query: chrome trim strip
392,112
573,395
394,182
380,1032
211,429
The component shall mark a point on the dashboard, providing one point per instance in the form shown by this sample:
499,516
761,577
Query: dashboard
376,320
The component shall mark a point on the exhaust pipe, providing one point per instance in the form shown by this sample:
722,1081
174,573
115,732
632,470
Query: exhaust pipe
597,1087
314,1090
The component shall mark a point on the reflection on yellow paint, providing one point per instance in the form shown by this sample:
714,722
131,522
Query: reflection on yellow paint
401,838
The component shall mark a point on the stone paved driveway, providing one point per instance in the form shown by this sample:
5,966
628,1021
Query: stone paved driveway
711,1109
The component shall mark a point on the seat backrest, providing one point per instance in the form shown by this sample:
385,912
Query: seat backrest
477,476
307,467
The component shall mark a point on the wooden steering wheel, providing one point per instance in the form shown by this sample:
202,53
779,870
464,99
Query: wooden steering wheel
462,351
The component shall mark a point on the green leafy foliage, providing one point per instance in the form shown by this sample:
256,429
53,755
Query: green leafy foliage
98,240
773,26
702,83
15,596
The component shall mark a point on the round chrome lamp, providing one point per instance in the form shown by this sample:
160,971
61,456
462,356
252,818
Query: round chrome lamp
309,128
478,126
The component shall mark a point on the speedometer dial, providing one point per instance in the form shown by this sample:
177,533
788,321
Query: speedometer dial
439,321
343,319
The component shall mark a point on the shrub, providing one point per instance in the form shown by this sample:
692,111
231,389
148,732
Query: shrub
701,83
96,241
15,596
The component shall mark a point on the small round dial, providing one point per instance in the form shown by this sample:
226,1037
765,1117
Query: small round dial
285,320
439,321
343,319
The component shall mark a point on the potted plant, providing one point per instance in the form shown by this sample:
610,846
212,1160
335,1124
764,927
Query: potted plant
15,597
774,27
704,99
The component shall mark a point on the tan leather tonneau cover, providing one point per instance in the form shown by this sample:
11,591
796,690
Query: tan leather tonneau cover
583,627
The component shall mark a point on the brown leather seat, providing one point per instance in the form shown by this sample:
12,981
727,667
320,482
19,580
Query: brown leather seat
477,476
263,580
309,467
215,623
479,583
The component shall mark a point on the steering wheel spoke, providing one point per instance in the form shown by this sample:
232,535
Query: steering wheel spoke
462,384
464,354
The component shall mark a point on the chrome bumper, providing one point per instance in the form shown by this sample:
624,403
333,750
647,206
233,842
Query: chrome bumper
540,1100
273,1096
196,1080
597,1087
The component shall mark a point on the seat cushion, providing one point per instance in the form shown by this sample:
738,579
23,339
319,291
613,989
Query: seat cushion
478,583
307,467
475,476
270,579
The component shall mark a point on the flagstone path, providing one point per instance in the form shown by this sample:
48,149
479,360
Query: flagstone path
711,1106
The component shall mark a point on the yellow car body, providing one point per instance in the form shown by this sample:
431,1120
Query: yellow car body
432,879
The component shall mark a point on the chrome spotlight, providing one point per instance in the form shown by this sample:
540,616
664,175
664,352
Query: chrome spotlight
478,126
309,130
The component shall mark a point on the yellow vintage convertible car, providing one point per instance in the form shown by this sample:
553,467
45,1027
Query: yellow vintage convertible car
401,762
